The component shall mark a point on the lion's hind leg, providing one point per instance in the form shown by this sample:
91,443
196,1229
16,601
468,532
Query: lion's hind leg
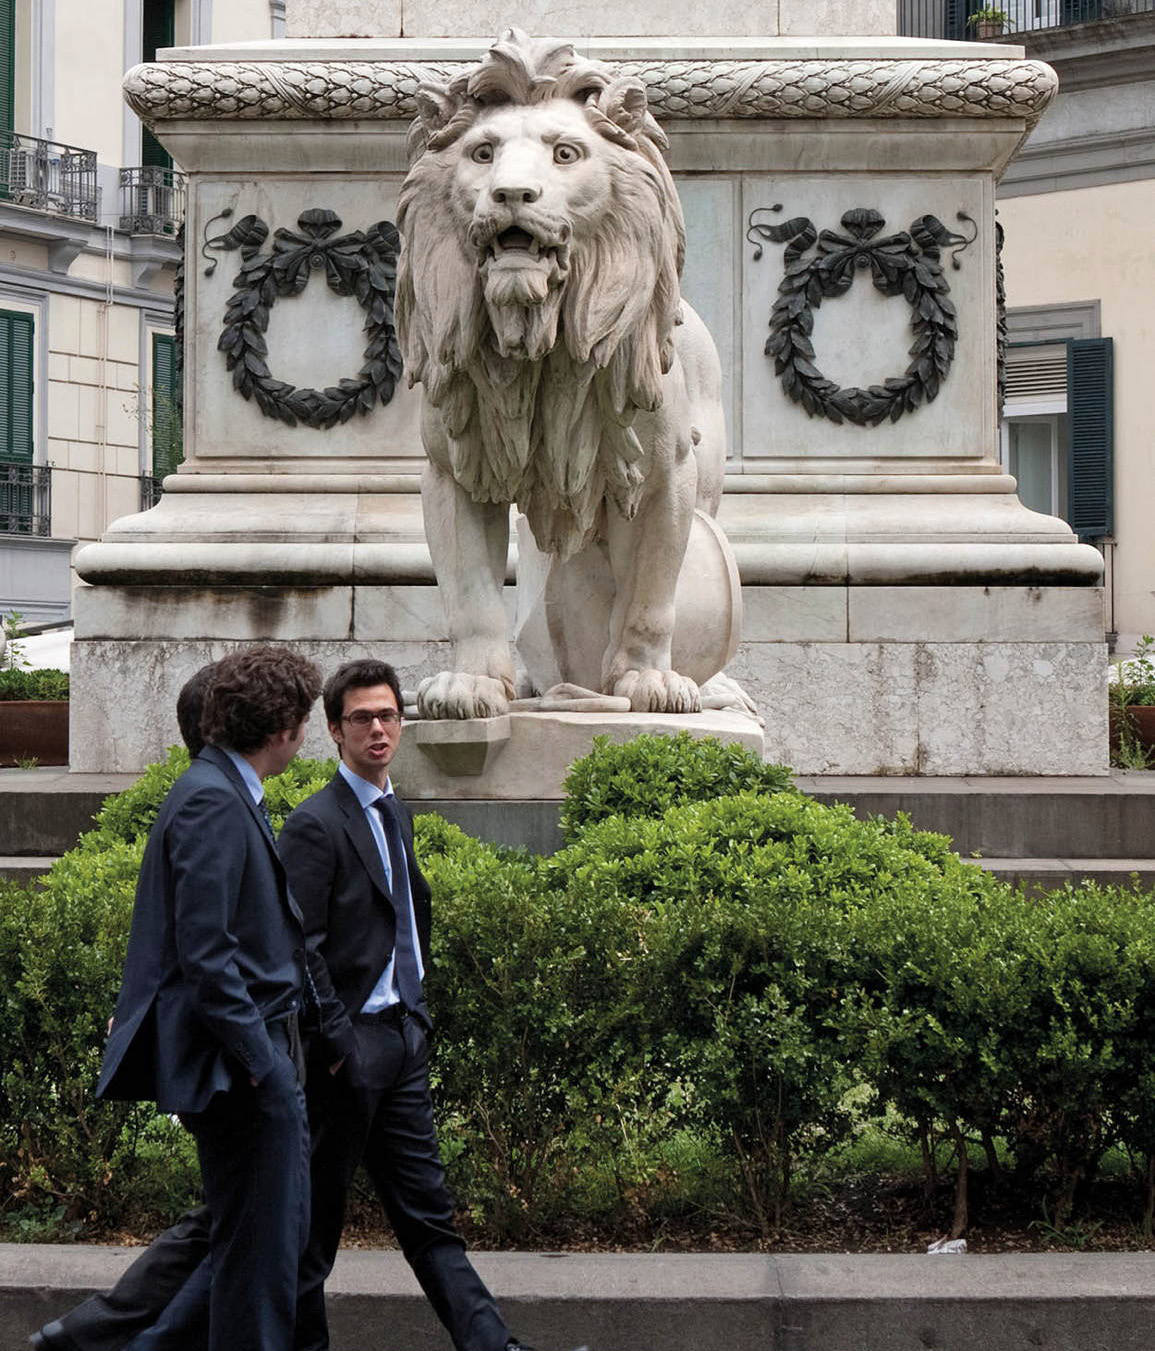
646,556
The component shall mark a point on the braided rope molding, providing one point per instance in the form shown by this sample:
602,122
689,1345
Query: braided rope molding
677,90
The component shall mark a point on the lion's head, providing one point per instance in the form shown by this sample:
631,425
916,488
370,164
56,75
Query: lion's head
538,287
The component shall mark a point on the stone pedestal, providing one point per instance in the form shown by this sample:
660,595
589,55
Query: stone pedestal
904,612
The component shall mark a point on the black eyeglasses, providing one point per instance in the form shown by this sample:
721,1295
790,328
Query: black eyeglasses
362,717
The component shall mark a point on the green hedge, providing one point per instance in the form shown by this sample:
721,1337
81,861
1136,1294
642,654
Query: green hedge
16,684
713,985
650,774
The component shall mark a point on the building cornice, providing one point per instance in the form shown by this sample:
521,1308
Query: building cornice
1097,55
37,281
66,238
1082,162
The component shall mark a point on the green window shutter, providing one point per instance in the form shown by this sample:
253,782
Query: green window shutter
157,31
7,64
17,335
167,432
1091,436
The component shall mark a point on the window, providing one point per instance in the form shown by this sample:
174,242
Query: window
158,29
25,501
17,334
167,438
7,65
1057,431
1033,453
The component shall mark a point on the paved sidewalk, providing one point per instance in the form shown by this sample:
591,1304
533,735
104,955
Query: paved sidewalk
709,1302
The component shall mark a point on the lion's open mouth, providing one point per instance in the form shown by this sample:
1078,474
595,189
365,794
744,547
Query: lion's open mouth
515,240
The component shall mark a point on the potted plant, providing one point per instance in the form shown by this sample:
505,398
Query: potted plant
988,22
33,706
1131,706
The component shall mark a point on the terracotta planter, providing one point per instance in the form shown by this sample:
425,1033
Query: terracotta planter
1140,718
988,28
34,727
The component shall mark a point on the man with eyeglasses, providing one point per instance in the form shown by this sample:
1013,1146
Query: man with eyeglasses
348,851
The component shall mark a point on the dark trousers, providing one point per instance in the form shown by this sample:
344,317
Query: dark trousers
107,1322
253,1146
377,1111
378,1106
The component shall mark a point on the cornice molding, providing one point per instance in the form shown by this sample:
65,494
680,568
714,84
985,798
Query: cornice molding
677,89
34,282
1082,162
1098,55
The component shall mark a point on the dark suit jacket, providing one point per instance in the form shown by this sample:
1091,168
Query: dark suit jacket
337,876
216,949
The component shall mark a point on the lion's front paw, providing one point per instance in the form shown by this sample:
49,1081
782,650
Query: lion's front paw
658,692
460,694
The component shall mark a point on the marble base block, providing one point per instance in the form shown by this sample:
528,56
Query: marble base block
851,680
528,755
936,709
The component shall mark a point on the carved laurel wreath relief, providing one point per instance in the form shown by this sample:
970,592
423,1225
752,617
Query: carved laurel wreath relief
906,264
362,264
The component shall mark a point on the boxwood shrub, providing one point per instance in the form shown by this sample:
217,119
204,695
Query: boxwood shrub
714,983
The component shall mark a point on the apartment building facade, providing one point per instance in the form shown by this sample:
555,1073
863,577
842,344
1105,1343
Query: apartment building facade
90,210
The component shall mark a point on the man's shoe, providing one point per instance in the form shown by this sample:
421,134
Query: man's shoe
521,1346
52,1337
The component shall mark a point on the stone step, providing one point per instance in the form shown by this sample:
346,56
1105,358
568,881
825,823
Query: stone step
693,1302
44,810
1109,817
24,868
1045,874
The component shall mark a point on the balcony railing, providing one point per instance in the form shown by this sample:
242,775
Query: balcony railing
949,18
151,491
50,177
152,200
25,499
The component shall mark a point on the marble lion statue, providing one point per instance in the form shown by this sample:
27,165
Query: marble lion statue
538,305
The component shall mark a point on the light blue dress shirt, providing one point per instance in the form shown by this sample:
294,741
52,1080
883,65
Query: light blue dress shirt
248,773
384,993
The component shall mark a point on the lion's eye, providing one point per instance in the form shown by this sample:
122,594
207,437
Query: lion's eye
566,154
483,153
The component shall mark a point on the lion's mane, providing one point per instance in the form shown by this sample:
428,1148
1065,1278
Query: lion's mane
548,427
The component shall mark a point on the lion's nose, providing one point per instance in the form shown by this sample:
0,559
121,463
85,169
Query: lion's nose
511,195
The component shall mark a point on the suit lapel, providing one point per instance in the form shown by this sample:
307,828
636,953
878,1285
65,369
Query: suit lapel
359,835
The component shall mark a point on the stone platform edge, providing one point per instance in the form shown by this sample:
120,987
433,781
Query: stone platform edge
707,1302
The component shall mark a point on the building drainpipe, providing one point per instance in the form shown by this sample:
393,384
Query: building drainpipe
277,17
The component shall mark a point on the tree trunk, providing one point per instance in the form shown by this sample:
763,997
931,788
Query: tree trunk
959,1226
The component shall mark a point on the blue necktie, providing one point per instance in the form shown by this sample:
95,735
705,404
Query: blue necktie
405,970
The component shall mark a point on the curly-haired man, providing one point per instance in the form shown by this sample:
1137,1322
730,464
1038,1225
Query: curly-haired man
215,985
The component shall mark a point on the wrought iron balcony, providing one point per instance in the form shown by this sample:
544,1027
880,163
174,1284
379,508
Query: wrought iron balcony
48,176
151,491
152,200
951,18
25,499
